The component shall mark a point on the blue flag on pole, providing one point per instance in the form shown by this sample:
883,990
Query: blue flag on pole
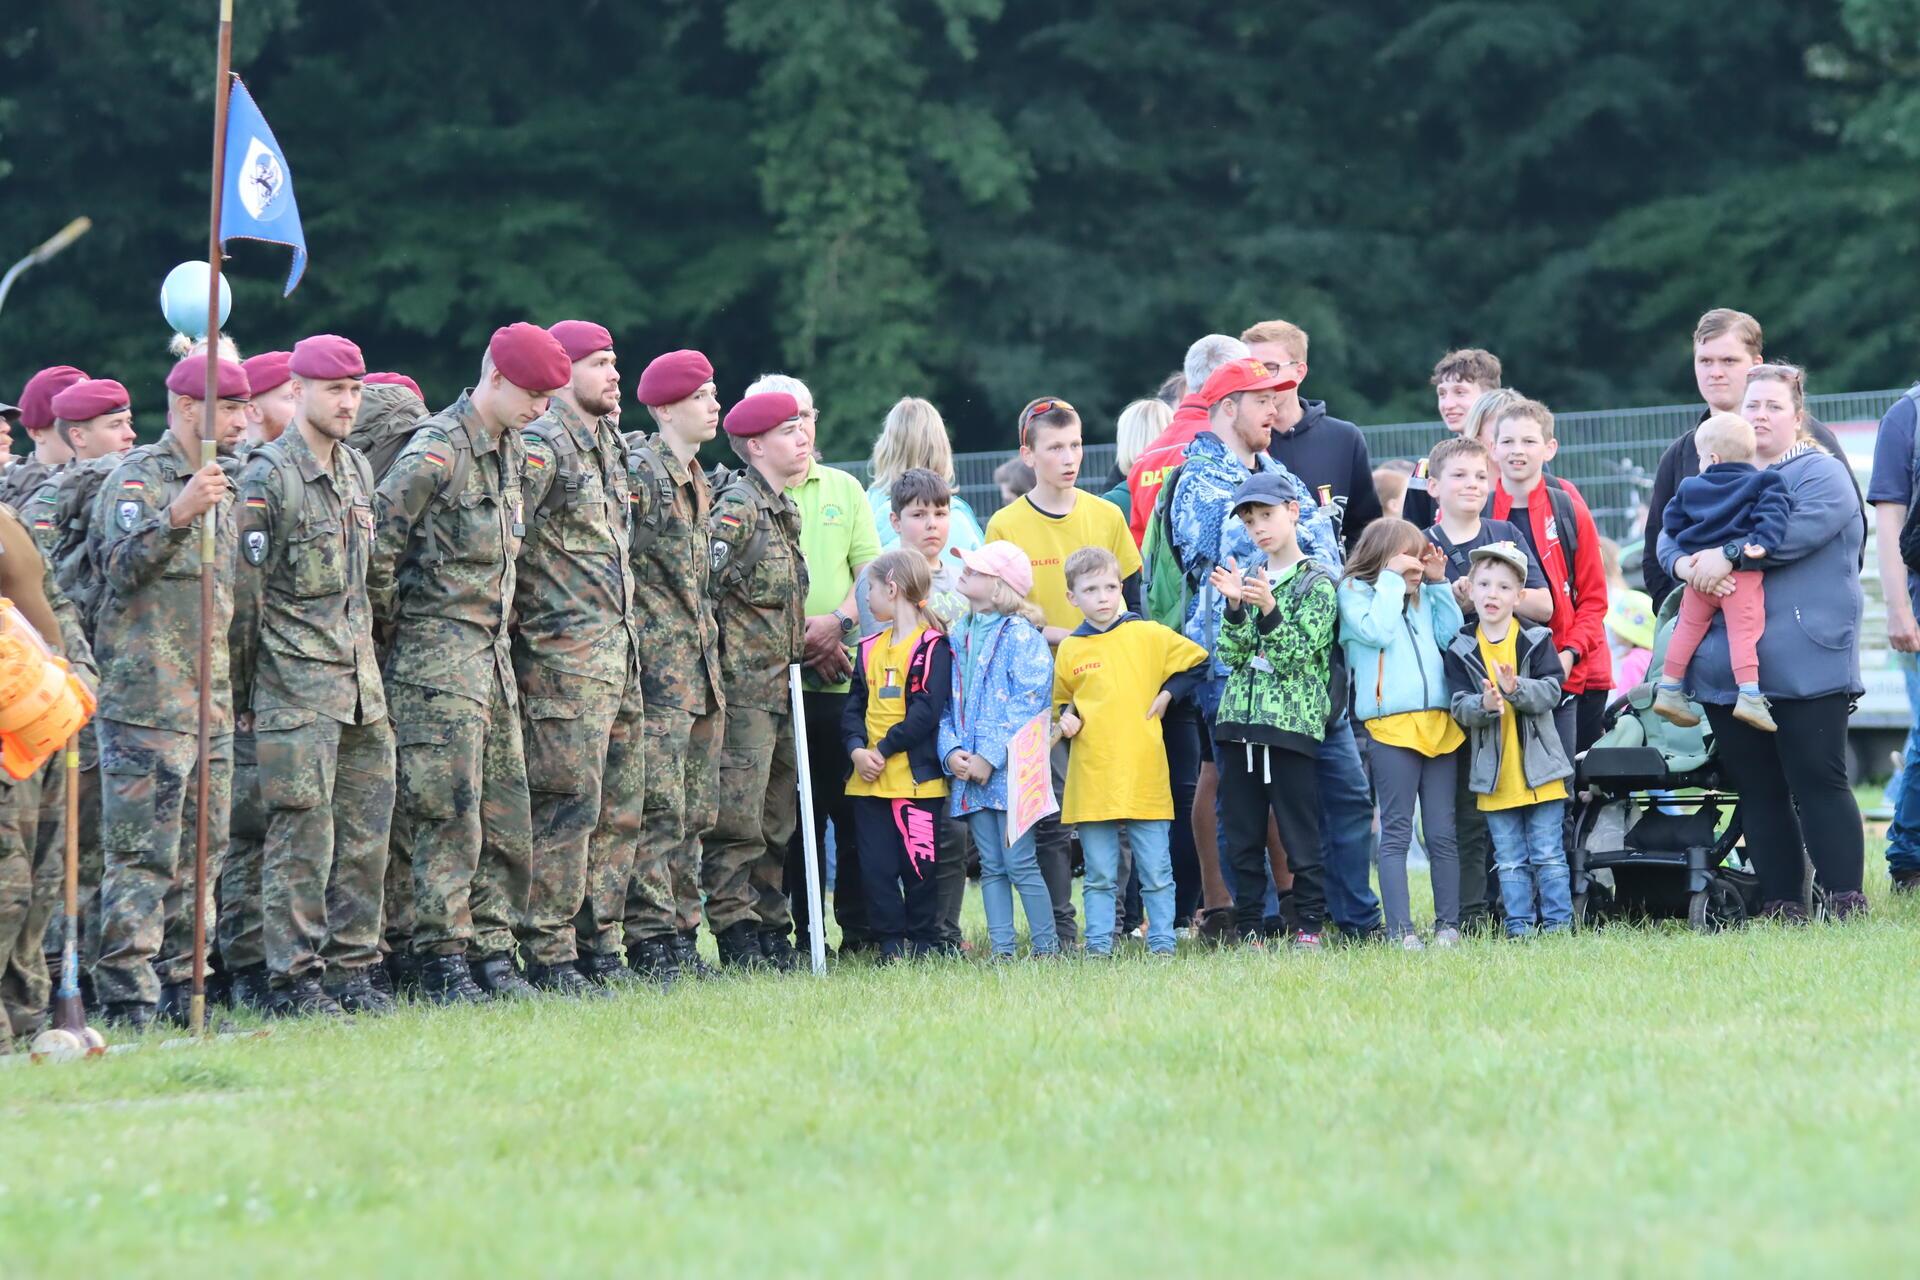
257,200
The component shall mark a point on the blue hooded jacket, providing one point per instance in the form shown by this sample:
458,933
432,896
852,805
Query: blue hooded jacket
1395,647
1012,683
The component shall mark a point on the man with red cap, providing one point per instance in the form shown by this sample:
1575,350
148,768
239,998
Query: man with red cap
761,586
307,682
574,651
270,376
448,522
146,638
36,415
679,645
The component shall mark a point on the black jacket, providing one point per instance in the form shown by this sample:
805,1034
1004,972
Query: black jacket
1330,453
929,683
1682,459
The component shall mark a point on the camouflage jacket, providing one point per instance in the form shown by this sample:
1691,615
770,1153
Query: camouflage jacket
442,578
35,508
762,615
21,478
573,599
147,637
679,640
73,637
302,626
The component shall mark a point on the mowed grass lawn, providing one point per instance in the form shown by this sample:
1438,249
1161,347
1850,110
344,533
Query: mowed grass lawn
1629,1102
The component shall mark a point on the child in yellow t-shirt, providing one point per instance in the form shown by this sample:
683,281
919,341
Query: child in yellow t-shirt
891,728
1114,678
1505,681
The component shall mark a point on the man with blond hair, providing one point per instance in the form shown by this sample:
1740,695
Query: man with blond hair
1328,453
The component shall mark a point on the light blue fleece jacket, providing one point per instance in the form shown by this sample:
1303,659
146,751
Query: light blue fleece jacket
1394,644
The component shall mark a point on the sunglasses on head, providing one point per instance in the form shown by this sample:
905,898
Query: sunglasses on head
1039,408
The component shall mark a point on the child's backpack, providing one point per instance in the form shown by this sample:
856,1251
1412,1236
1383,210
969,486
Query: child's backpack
919,662
1312,571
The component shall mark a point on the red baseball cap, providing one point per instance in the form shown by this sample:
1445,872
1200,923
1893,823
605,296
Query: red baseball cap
1246,374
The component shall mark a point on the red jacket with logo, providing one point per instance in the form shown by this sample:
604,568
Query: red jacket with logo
1168,450
1579,589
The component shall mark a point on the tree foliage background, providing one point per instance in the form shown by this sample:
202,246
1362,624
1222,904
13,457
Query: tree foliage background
981,200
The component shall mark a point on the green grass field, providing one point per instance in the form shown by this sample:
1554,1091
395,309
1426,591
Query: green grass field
1628,1102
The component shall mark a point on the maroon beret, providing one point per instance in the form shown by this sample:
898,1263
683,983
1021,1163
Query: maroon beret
266,370
397,380
673,377
325,355
36,398
757,415
189,379
90,399
581,338
530,358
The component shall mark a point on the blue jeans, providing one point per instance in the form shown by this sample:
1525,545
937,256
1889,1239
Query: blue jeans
1002,870
1532,862
1152,867
1346,831
1903,835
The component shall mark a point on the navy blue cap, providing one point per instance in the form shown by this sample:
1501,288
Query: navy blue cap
1268,488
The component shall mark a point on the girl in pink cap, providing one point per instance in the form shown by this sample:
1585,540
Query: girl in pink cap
1002,678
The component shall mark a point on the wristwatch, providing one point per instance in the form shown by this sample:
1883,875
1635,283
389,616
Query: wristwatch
847,625
1732,552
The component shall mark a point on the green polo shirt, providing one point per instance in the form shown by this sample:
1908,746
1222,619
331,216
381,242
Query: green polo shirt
837,534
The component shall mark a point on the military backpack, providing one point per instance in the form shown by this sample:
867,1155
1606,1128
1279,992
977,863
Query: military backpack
69,508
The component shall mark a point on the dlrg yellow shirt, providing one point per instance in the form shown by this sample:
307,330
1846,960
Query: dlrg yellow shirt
886,675
1048,540
1117,765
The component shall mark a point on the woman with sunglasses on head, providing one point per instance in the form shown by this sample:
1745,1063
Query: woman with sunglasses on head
1794,789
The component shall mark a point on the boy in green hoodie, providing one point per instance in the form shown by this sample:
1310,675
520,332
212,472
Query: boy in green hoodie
1276,641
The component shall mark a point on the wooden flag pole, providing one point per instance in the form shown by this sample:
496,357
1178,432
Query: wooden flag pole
209,530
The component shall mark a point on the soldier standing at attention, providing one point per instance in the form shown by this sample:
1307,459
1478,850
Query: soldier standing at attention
272,409
679,659
306,677
761,586
573,651
448,523
146,639
50,450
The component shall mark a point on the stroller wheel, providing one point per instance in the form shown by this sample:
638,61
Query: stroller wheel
1581,917
1716,907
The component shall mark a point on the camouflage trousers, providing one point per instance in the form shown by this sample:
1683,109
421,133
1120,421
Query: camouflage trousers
328,789
18,814
616,834
242,942
683,756
461,818
743,868
147,820
53,835
578,784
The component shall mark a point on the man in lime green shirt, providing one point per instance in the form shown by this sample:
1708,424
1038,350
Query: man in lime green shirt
837,539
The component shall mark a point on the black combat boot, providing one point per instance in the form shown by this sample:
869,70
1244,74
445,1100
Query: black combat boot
249,989
304,997
176,1003
498,978
559,979
380,979
404,973
779,952
686,950
605,969
359,993
655,959
739,945
134,1015
447,980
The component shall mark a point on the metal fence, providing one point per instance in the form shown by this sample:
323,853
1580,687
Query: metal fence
1610,454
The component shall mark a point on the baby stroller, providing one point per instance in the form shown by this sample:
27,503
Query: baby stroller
1656,825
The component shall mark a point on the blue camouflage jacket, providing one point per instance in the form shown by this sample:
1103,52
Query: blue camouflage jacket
1206,532
1012,682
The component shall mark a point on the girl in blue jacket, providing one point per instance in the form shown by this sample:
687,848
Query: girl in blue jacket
1002,678
1396,615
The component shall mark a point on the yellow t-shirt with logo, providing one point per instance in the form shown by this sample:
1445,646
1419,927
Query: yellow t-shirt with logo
1117,765
1432,733
886,672
1049,539
1510,789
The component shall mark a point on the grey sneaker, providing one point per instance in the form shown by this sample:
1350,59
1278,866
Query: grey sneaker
1752,709
1446,937
1671,705
1410,941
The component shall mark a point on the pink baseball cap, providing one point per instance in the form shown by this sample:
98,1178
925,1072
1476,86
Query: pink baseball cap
1000,560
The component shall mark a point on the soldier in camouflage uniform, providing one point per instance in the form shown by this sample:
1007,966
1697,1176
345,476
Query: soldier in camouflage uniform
448,523
31,873
574,651
306,675
679,658
143,536
95,420
50,451
761,585
242,940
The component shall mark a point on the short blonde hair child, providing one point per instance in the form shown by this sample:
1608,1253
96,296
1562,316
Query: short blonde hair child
1728,436
1090,560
